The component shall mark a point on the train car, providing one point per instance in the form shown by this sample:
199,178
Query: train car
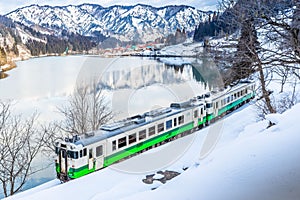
114,142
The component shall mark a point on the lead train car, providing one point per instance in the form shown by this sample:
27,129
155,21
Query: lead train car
92,151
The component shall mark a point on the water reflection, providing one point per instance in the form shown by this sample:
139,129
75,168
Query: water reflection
137,85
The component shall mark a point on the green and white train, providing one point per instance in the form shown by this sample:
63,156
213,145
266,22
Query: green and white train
114,142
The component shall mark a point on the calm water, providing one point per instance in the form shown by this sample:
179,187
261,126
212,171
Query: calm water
131,85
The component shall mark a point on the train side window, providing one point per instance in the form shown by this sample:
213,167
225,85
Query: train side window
217,104
201,111
228,99
80,153
90,153
175,121
151,130
142,134
122,142
99,151
132,138
195,113
114,145
84,152
160,127
168,124
181,120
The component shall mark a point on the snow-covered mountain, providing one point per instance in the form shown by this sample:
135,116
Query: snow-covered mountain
138,22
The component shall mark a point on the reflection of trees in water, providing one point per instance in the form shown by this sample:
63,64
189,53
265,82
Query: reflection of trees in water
209,72
203,70
145,75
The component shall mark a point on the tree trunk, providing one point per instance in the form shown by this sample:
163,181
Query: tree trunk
263,87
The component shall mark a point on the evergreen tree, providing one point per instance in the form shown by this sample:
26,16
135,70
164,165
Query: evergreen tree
245,54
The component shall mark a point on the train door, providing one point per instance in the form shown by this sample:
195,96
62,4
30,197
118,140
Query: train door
63,161
195,117
99,156
91,159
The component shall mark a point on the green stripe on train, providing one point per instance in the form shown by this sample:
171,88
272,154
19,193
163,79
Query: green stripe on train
143,145
79,172
76,173
200,122
235,103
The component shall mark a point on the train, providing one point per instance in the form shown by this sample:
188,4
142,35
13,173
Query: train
114,142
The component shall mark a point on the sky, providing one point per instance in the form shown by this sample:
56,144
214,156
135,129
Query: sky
7,6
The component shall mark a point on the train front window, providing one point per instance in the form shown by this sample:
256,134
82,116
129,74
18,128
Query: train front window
73,154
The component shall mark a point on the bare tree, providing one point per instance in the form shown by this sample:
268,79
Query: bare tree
20,143
278,22
87,110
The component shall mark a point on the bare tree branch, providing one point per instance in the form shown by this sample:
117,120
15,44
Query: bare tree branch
87,110
20,142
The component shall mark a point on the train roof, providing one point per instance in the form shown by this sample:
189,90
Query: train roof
228,90
116,128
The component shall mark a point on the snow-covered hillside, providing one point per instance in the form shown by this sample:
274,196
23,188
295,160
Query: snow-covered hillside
142,22
249,161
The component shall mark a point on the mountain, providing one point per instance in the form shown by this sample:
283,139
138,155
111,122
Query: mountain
18,41
140,22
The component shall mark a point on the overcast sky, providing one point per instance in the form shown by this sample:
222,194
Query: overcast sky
7,6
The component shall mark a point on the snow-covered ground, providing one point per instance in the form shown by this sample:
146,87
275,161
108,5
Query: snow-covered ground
185,49
248,161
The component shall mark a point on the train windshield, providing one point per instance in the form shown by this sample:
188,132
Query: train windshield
73,154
